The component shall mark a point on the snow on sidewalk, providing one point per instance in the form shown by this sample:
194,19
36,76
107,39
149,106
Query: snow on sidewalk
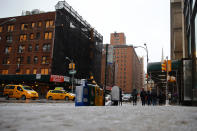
65,116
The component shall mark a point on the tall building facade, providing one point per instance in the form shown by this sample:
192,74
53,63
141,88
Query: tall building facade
127,69
38,43
117,39
176,15
190,65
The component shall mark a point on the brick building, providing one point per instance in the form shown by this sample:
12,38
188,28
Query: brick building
26,44
38,43
127,68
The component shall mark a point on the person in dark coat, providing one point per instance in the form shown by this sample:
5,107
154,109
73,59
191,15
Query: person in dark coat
149,99
120,102
154,97
134,94
143,97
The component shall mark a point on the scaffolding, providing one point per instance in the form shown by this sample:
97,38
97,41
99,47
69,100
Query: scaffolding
85,25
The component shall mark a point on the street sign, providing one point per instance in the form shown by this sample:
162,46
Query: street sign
72,72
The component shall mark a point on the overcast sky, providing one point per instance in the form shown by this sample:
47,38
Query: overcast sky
142,21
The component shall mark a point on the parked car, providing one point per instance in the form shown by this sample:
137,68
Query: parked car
127,97
59,95
19,92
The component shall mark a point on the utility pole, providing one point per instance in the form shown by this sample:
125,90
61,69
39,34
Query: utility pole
167,101
106,67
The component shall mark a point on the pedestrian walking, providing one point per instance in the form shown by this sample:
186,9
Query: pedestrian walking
154,97
149,99
120,102
143,96
134,94
115,95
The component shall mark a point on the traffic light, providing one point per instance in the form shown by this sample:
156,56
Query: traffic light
72,66
169,65
163,66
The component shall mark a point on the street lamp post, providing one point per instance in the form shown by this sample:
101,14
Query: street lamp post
146,49
71,61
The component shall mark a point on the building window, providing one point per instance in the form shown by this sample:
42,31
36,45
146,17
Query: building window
49,23
39,24
29,48
9,39
44,71
23,38
44,60
46,47
35,60
38,35
1,28
33,24
48,35
19,71
8,49
21,49
36,47
24,26
28,59
35,71
31,36
10,28
6,61
4,72
27,71
19,60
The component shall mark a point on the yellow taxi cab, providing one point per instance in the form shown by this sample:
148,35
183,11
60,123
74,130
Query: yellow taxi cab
60,95
19,92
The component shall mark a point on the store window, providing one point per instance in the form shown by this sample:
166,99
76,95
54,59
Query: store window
4,72
27,71
45,71
35,71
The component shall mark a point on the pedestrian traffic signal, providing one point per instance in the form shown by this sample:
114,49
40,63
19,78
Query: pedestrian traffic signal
163,66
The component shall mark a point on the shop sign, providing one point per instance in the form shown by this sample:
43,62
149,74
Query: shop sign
56,78
38,76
